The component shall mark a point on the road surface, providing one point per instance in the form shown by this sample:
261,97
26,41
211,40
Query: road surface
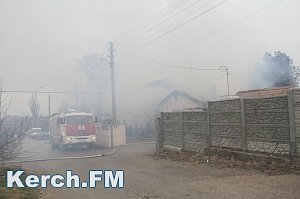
149,177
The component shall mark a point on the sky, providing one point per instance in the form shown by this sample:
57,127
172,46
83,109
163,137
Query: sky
41,42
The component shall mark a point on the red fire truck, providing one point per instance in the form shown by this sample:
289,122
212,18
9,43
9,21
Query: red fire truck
74,128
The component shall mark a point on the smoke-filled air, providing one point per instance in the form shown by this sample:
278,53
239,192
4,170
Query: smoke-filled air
131,85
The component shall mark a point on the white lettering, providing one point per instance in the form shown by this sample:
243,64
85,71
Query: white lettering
95,176
44,179
71,178
32,181
54,182
112,180
14,178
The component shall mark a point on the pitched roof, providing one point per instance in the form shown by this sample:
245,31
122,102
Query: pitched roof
177,93
266,92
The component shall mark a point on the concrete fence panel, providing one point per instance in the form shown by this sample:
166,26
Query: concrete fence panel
225,127
171,127
294,102
194,130
267,125
270,125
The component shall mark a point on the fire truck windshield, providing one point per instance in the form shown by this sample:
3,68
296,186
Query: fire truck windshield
79,119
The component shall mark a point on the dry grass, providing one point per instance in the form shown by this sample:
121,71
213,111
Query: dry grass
200,158
15,193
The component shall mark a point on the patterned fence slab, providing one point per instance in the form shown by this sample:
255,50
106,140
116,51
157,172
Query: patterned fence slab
270,125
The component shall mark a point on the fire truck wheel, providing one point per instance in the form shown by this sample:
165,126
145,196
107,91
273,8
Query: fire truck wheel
54,146
90,146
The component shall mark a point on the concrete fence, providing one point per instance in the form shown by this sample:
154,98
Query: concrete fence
270,125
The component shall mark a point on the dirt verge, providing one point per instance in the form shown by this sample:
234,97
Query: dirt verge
272,168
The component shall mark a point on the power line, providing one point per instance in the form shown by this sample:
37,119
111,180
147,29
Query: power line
167,65
153,17
47,92
173,24
157,14
179,26
162,15
220,28
167,19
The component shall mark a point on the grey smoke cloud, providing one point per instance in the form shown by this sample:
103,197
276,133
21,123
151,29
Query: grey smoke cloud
41,41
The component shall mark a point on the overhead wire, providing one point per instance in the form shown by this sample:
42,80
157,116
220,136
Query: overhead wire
164,14
175,66
167,65
167,19
179,26
157,16
48,92
172,25
220,29
144,22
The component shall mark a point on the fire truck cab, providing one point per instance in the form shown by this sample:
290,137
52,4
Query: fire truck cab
74,128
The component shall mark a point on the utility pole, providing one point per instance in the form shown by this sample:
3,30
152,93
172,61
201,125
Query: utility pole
225,69
49,105
111,62
227,73
99,111
76,99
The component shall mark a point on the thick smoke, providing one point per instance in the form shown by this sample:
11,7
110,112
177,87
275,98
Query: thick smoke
274,71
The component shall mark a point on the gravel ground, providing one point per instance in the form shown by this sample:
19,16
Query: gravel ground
151,176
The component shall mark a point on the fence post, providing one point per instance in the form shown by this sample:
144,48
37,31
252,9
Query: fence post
158,126
209,137
243,121
292,123
181,130
111,127
159,133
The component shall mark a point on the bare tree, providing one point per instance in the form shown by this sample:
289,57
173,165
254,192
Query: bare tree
34,106
12,129
97,73
96,70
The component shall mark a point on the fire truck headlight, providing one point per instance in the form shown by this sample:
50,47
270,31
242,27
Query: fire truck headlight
68,140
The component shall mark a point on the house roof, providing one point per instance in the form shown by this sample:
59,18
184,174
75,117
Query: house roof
266,92
177,93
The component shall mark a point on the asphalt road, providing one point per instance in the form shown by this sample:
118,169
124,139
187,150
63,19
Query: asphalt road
149,177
